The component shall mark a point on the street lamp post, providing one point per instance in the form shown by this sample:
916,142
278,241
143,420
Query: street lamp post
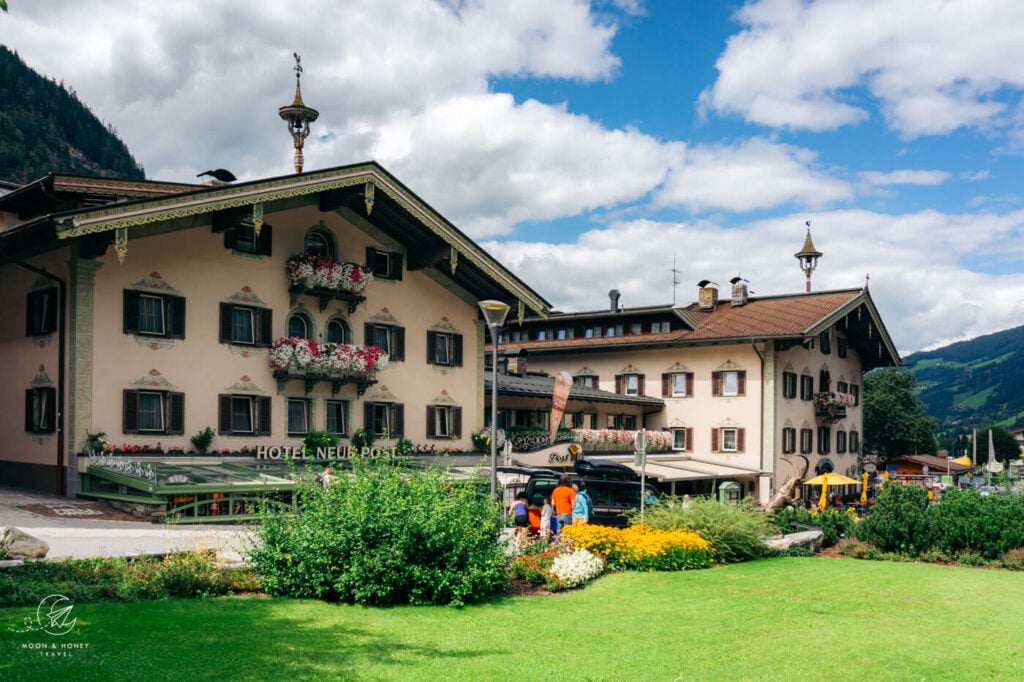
494,316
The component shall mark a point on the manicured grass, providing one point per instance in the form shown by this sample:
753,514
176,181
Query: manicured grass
778,619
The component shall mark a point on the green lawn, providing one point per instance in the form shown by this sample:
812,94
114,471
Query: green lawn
779,619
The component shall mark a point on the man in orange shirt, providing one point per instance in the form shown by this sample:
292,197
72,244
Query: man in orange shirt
563,497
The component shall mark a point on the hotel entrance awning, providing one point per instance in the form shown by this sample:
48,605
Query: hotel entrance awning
668,470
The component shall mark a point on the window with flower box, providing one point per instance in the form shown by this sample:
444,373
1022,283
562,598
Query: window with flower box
384,420
41,312
682,439
729,383
727,439
246,325
788,440
336,417
154,314
444,421
384,264
444,348
677,385
243,415
387,337
154,412
41,409
319,244
336,332
299,326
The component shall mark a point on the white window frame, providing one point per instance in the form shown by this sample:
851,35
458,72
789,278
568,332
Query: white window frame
442,350
305,416
340,409
631,384
676,393
235,336
723,435
733,377
676,433
247,403
149,396
161,317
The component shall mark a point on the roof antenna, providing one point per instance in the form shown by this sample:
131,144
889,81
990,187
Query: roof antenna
675,278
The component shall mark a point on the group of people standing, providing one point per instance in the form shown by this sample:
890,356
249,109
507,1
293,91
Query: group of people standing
568,504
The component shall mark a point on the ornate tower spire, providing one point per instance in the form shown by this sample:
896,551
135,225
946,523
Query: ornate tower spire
808,257
298,116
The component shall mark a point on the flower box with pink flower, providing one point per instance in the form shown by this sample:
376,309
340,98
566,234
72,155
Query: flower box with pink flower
327,279
337,363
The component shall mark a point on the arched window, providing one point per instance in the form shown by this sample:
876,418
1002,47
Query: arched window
298,326
319,245
337,332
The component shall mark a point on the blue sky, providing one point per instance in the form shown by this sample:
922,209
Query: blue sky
587,143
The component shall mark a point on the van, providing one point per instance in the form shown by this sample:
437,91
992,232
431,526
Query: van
612,498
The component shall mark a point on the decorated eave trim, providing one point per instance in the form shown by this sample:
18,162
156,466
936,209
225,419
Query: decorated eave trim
849,308
115,218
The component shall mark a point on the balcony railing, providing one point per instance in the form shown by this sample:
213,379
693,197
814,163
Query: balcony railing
830,407
327,280
338,363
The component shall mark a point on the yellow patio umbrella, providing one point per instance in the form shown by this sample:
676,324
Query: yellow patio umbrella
823,501
864,489
965,461
833,479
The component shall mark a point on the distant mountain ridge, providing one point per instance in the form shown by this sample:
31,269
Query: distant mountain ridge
973,383
47,129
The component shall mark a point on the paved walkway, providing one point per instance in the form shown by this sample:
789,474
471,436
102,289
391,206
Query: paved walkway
78,536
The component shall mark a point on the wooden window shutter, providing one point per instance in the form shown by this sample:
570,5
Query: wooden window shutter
30,306
618,383
264,326
371,258
689,384
175,306
431,343
396,266
262,415
367,334
666,385
224,414
131,311
741,382
398,423
264,243
131,411
714,440
431,430
457,350
716,383
176,414
231,237
689,439
398,341
456,428
640,381
226,320
740,439
368,417
29,405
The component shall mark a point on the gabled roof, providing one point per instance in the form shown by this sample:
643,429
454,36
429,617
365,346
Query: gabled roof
936,465
365,193
791,317
57,193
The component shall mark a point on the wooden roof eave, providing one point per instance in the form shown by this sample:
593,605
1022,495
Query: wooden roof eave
862,299
207,200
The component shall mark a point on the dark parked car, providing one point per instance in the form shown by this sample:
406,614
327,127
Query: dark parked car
611,492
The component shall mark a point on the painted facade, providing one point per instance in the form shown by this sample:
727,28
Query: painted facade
178,337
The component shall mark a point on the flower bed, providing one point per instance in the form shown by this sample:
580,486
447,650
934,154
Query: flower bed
620,440
557,566
324,273
639,548
326,358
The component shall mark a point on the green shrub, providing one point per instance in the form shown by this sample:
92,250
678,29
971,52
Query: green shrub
384,536
989,526
737,532
1013,559
899,521
834,525
201,441
318,440
362,439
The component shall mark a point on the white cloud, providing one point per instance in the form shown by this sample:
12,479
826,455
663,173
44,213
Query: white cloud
749,175
926,292
934,65
904,177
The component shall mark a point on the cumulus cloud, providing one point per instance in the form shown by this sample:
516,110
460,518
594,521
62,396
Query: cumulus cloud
904,177
934,65
749,175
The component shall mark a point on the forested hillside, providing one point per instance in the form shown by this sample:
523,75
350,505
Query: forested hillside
973,383
46,129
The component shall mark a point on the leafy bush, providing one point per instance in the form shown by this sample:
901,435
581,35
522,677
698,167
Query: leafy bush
641,548
182,574
1013,559
384,536
899,521
317,440
834,524
967,521
361,439
856,549
736,532
201,441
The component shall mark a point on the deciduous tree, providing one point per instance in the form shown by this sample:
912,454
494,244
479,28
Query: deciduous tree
894,420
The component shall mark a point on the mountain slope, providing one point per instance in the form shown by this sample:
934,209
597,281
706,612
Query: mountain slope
46,129
973,383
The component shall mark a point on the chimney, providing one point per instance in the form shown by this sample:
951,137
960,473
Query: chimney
707,295
613,298
516,363
740,292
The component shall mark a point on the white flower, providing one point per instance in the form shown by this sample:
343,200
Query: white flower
577,568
